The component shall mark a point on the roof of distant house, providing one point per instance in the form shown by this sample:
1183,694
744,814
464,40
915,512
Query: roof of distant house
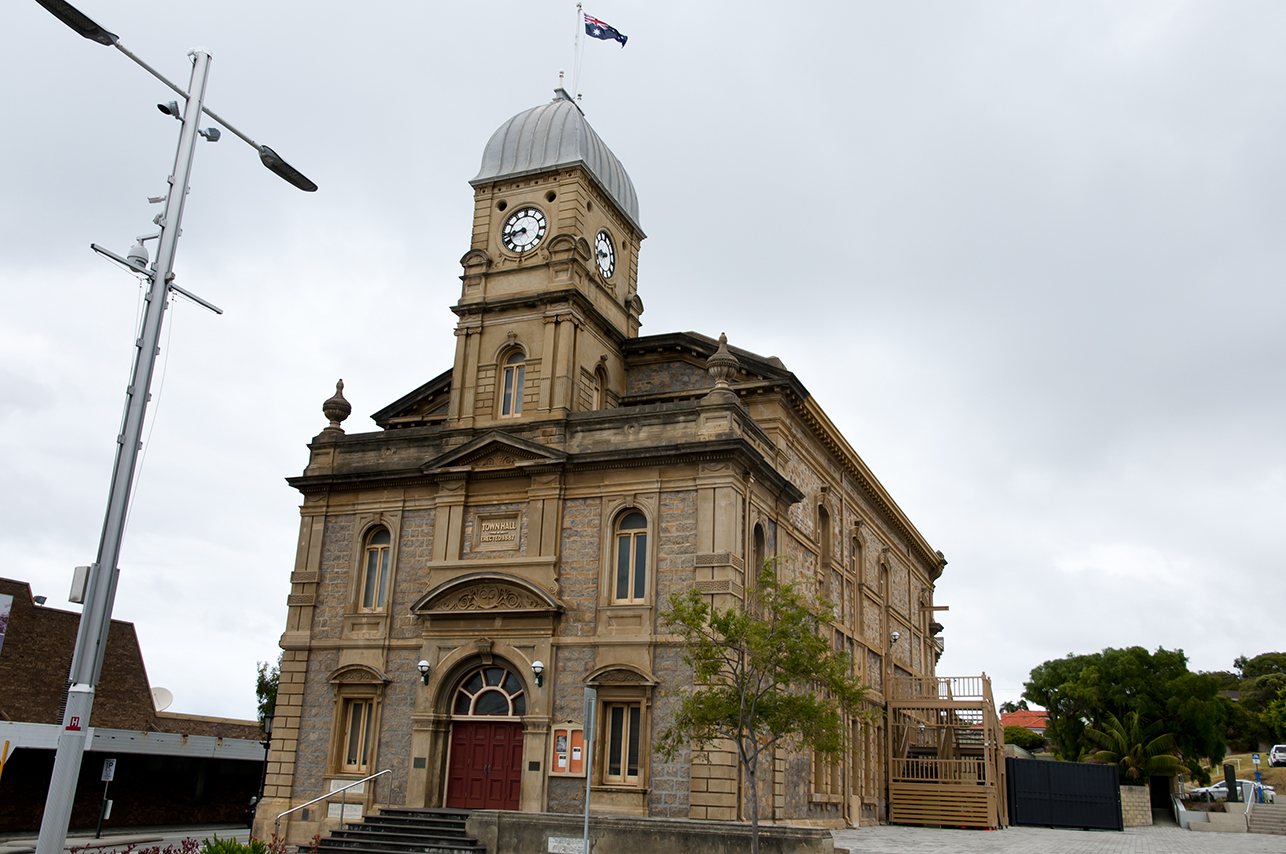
1034,721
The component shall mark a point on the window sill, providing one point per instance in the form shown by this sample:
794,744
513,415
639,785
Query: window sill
617,787
827,799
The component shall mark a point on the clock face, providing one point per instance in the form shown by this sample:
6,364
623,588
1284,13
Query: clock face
606,253
523,230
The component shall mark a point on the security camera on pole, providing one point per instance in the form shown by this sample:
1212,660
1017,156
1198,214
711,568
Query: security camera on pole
100,592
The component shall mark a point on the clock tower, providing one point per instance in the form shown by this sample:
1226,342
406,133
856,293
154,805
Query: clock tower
550,282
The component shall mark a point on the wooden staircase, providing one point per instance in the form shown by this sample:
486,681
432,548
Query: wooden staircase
1267,818
404,831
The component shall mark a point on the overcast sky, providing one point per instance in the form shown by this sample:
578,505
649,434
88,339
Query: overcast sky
1027,256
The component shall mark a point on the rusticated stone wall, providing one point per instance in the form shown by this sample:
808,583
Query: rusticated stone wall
581,555
315,720
670,781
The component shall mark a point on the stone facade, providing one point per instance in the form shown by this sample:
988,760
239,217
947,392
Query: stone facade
539,504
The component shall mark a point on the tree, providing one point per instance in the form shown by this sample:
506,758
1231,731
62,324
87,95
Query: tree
764,675
1023,737
266,687
1138,752
1261,665
1010,706
1275,715
1079,691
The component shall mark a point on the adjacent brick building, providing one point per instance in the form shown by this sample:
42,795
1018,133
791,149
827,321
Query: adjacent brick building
536,505
171,768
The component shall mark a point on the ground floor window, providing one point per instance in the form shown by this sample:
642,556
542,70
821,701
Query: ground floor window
622,760
357,734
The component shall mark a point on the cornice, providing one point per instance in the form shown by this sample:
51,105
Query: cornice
577,299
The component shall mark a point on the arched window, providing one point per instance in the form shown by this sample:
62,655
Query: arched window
824,555
761,550
375,570
491,690
596,392
631,558
824,536
511,398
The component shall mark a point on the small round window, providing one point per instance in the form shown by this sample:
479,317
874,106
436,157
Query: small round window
491,690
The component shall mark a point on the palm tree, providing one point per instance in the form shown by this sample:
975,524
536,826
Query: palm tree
1139,752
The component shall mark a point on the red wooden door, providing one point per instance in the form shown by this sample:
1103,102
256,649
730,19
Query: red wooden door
485,771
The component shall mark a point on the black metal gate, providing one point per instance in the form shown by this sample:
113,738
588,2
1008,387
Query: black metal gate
1063,794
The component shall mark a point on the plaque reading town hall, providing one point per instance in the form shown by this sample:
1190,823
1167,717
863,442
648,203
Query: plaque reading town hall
496,533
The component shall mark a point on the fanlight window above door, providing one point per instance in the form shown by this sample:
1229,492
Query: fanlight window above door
491,690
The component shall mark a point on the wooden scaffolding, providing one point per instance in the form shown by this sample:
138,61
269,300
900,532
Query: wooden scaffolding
946,753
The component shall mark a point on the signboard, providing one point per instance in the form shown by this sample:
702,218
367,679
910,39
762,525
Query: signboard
6,603
497,532
569,743
109,770
1255,758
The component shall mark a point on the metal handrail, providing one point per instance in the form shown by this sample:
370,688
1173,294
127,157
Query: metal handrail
276,826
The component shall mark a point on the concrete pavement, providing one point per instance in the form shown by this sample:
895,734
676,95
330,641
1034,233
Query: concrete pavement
1158,839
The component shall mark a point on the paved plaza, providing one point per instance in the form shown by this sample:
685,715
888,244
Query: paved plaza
1161,839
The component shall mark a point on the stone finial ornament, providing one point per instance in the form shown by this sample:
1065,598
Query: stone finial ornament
722,365
336,409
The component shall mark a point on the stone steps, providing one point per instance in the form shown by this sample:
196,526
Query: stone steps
1268,818
404,831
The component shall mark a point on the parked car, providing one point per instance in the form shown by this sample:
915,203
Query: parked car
1249,790
1277,756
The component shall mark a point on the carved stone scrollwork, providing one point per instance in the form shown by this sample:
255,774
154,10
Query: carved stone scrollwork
484,646
619,677
488,597
720,559
357,674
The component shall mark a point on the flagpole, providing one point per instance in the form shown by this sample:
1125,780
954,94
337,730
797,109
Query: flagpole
580,25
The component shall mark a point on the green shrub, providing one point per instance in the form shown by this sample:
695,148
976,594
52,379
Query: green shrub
232,846
1023,737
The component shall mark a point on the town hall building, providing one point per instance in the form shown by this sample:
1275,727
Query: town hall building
515,528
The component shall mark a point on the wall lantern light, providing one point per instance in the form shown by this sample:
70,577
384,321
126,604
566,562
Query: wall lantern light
538,667
424,670
895,636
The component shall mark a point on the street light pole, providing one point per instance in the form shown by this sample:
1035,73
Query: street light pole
96,616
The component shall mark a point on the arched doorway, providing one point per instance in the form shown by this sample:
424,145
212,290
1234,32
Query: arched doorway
485,767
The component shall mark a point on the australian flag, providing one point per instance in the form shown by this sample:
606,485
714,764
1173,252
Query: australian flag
599,30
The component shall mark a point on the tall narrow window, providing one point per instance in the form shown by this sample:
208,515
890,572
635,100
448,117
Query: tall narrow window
375,570
596,392
761,550
622,743
357,734
631,558
511,401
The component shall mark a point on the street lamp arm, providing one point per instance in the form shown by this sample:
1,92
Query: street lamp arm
270,158
87,27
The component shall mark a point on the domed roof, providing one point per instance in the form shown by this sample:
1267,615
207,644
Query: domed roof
552,135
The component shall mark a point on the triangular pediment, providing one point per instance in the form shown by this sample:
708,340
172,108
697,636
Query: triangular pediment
427,403
486,593
493,451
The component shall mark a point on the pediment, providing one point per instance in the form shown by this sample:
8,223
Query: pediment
486,593
620,674
357,673
494,451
